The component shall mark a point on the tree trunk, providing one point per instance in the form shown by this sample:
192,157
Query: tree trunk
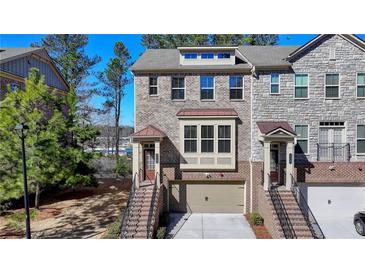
117,137
37,195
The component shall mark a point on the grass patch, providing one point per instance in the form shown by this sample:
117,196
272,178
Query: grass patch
16,220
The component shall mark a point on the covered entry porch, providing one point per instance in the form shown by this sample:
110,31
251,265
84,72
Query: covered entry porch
146,153
278,140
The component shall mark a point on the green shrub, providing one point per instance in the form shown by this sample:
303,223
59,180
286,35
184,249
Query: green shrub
256,219
16,220
161,232
123,166
113,230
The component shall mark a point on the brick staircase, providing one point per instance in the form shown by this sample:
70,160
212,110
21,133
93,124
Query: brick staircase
142,213
288,215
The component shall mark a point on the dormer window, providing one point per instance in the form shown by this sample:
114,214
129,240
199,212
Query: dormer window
207,55
190,55
224,55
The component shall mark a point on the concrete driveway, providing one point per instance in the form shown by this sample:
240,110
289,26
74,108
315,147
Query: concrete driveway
209,226
340,227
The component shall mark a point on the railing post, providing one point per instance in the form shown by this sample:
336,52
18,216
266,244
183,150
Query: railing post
318,152
333,152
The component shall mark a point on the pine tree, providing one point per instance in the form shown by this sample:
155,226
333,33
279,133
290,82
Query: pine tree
114,79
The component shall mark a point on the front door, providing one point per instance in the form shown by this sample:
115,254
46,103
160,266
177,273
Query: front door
149,164
274,165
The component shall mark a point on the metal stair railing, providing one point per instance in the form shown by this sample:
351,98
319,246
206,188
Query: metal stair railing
126,211
150,227
311,221
283,216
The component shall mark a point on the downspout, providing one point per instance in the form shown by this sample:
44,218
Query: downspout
251,128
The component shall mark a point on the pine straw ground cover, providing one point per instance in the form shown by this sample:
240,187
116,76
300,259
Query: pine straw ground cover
79,214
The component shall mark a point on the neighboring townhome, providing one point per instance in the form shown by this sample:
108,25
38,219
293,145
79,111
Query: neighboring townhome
254,128
15,64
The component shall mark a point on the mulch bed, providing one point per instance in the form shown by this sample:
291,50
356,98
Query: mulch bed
259,230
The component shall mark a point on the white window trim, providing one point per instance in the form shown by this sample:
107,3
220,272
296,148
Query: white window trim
201,139
190,139
357,153
308,138
190,53
157,86
207,100
307,86
222,139
215,155
339,86
271,83
201,55
171,88
357,77
243,88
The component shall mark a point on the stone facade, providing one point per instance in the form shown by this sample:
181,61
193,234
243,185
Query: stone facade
5,82
316,62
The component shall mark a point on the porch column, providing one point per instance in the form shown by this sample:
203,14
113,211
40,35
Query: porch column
137,158
266,165
157,161
289,164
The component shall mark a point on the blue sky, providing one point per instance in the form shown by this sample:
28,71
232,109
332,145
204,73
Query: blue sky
102,45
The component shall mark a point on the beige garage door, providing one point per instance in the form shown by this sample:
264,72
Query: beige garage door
208,197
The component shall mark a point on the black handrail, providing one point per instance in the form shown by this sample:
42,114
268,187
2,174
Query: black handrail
283,216
126,211
152,207
333,152
311,221
281,213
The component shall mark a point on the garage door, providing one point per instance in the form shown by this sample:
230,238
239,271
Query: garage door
335,201
211,197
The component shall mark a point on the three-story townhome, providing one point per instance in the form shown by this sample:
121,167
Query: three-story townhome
274,129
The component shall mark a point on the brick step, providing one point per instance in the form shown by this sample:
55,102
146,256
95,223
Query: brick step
136,229
138,218
290,212
138,235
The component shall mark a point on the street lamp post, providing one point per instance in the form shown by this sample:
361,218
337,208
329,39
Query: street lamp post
21,128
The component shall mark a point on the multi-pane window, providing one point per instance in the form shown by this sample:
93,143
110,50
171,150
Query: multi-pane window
178,88
302,139
206,87
223,55
301,86
190,55
190,138
361,85
207,139
235,87
153,86
207,55
361,139
224,139
332,85
275,83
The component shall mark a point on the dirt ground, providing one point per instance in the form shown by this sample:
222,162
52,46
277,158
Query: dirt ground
79,214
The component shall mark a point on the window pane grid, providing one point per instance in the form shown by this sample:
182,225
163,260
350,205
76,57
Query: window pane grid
360,144
332,85
301,86
274,83
178,88
361,85
207,87
207,138
190,138
224,139
236,87
302,139
153,85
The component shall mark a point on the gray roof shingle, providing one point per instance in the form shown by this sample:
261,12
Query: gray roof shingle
266,56
9,53
169,59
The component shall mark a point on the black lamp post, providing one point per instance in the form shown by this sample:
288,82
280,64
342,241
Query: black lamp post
22,128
